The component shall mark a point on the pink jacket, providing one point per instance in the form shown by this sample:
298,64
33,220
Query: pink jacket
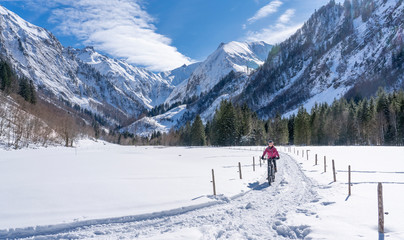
271,152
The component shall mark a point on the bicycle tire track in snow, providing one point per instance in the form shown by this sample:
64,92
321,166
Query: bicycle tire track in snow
280,211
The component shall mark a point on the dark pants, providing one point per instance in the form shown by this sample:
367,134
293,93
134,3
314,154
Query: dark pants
274,161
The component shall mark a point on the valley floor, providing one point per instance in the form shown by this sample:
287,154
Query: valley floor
165,193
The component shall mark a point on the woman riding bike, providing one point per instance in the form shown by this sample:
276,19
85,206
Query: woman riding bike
271,153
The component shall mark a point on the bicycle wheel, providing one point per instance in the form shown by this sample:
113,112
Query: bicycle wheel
269,174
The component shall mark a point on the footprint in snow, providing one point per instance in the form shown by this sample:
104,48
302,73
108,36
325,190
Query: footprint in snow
327,203
248,206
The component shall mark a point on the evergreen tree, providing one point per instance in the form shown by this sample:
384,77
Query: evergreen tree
186,134
302,127
291,129
277,129
5,77
208,131
25,90
352,125
225,125
33,92
198,132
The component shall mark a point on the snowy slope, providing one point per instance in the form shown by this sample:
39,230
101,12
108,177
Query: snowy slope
233,56
161,123
166,193
178,75
149,88
82,77
223,75
21,129
342,50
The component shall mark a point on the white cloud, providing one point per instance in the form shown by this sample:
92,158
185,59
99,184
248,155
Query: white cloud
273,34
265,11
121,28
276,33
285,18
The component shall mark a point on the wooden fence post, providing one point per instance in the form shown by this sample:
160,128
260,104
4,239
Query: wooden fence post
213,181
254,164
349,180
294,150
333,170
380,207
315,162
239,170
297,153
307,154
260,163
302,153
325,164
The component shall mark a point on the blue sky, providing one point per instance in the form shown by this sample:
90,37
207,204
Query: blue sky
164,34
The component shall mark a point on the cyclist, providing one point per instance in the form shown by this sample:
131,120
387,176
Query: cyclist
271,152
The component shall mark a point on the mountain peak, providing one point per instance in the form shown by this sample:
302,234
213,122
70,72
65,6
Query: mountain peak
233,56
89,49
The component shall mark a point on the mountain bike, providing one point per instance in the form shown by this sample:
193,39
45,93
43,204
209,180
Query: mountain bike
271,170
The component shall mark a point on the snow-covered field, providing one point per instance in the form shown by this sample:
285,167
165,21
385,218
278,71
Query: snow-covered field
99,180
104,191
355,217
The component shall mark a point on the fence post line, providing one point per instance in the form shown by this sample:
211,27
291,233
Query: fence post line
254,164
316,160
307,154
349,180
213,182
380,207
333,170
239,170
325,164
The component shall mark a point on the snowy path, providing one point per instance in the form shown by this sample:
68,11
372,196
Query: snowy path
262,213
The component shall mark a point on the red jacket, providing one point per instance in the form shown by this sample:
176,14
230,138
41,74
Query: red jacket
271,152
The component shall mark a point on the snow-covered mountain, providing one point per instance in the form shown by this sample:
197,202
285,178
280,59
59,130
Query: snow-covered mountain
233,56
80,77
202,86
344,50
162,123
138,83
178,75
112,87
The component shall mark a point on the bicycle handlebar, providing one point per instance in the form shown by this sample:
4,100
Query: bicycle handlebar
276,158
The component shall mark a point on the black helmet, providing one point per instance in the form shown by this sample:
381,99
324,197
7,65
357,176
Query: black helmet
270,141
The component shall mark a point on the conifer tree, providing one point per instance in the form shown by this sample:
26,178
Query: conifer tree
198,132
302,127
